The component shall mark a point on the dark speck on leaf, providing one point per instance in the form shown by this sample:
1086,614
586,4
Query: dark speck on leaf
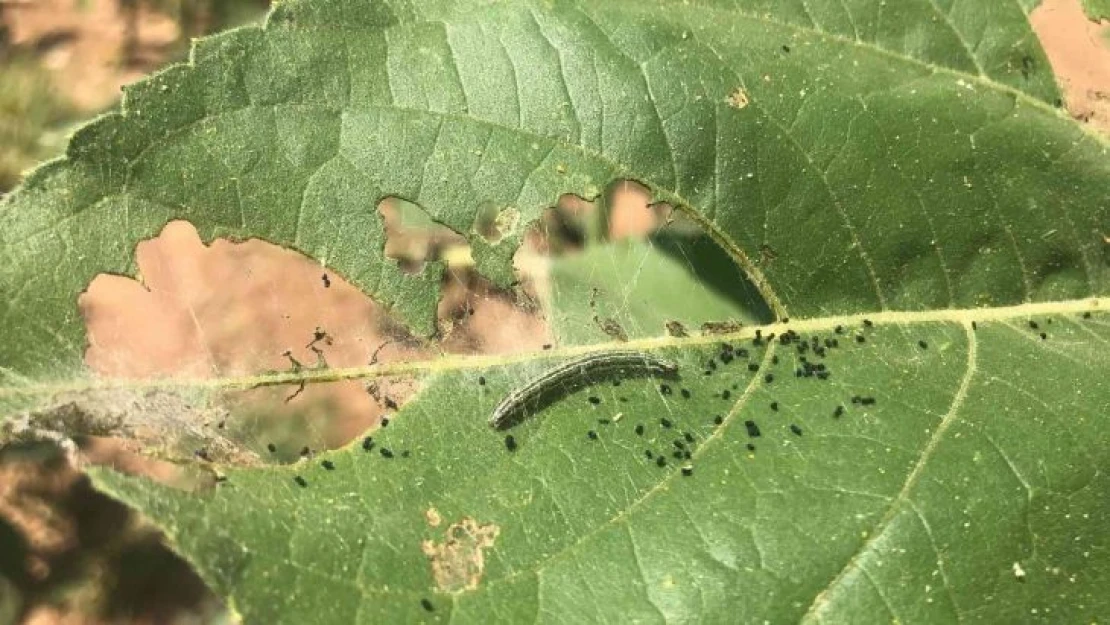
592,435
839,411
648,454
547,345
1033,324
718,420
770,377
665,422
640,430
326,280
687,471
1044,336
300,481
753,429
795,429
271,447
328,464
751,446
665,389
867,323
688,436
923,345
860,338
753,367
725,394
1087,315
660,461
385,452
974,326
595,400
685,394
481,380
427,605
775,406
367,443
510,443
385,421
305,451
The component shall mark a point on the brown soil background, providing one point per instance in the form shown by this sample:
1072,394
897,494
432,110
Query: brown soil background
223,308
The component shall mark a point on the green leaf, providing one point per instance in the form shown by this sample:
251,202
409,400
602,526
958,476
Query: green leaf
894,162
1097,9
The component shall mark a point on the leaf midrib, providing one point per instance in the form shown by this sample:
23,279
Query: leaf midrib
475,362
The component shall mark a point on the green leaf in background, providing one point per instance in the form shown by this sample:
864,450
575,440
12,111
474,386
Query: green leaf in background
928,443
1097,9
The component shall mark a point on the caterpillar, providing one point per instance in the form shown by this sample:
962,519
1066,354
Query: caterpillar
569,376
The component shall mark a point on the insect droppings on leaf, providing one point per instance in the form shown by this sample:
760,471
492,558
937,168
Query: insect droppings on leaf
368,443
510,442
328,465
592,435
795,429
922,344
427,605
385,452
753,429
300,481
665,422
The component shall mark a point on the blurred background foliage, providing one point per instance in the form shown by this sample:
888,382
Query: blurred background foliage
38,104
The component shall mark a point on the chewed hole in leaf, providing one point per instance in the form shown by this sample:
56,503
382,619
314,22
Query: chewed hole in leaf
229,310
413,237
624,267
